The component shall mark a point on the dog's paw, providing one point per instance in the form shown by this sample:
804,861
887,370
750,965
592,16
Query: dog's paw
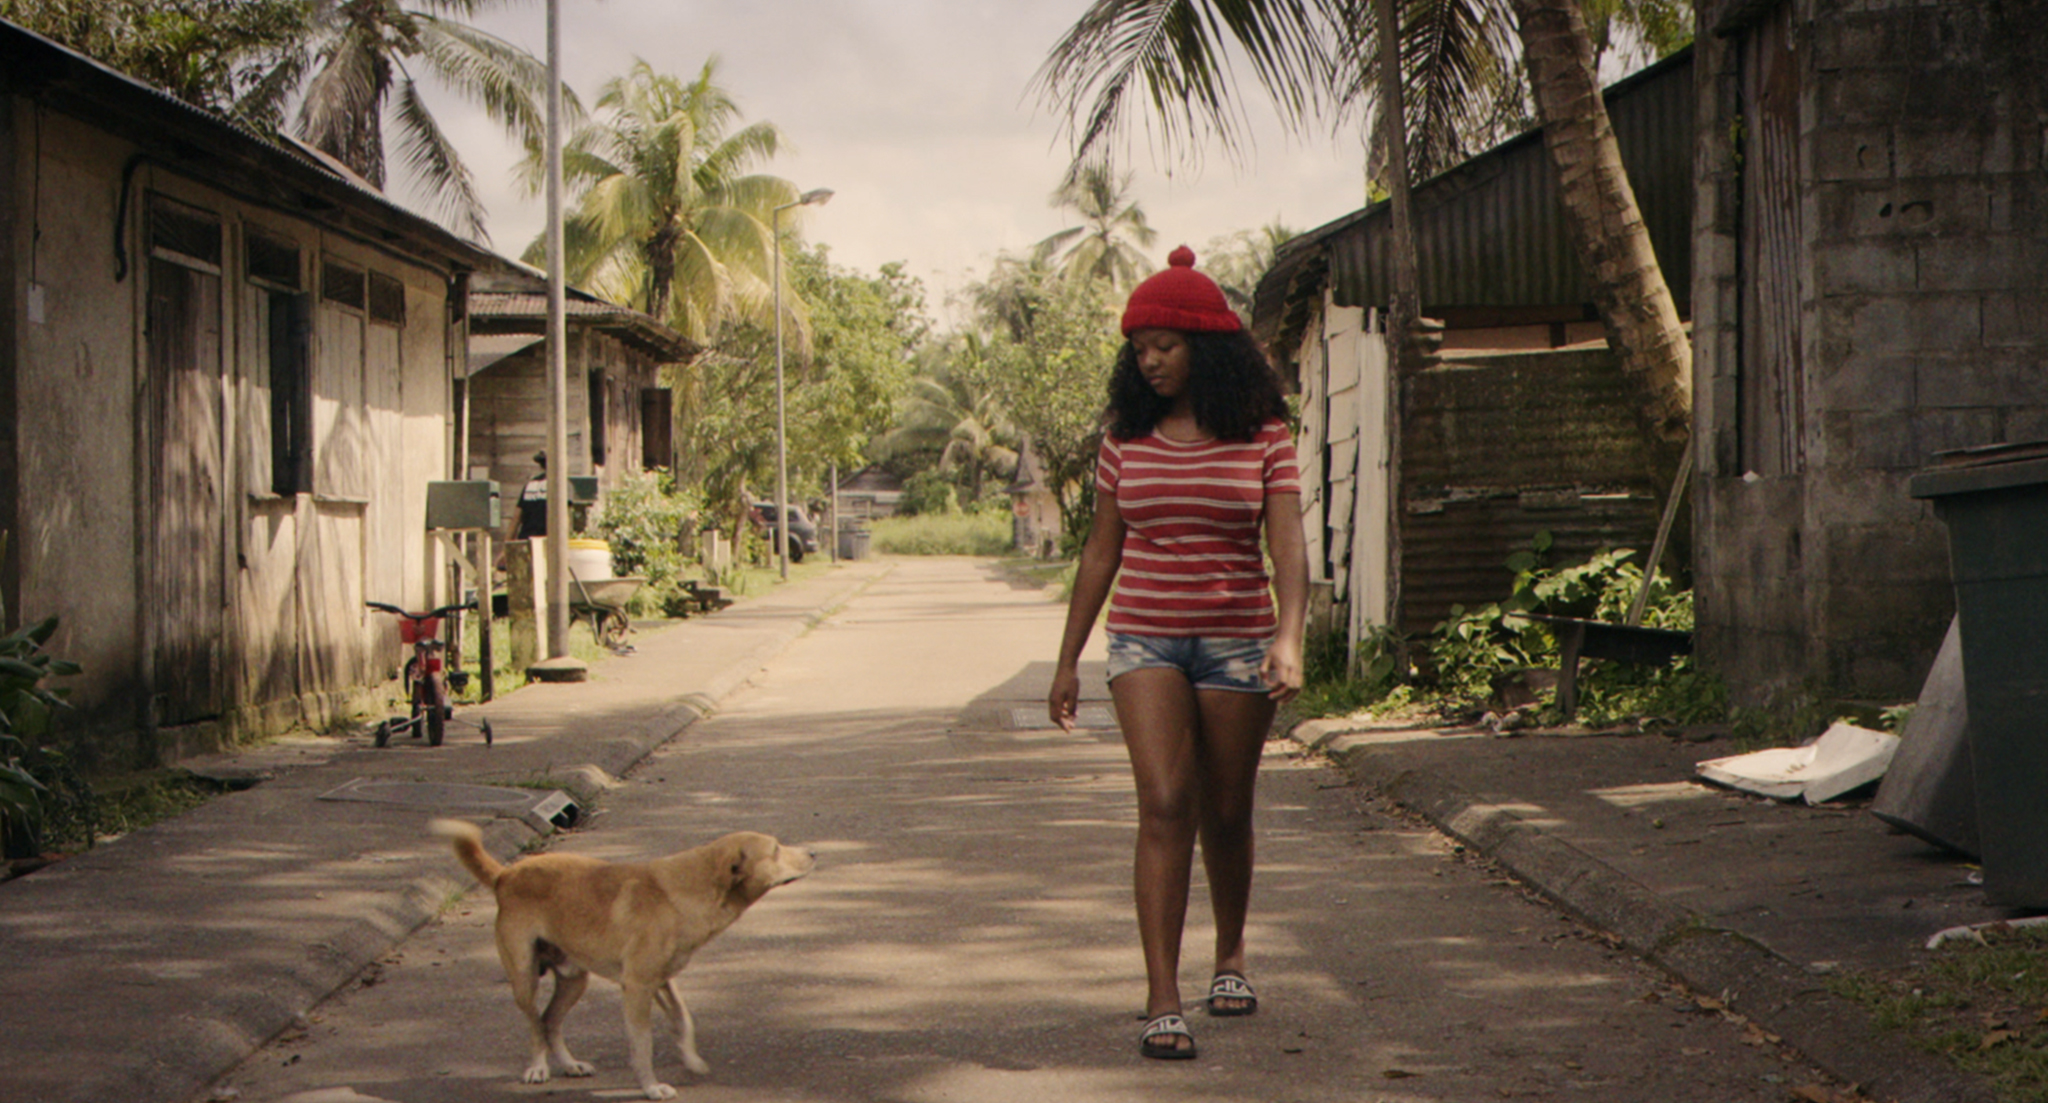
659,1091
696,1064
573,1067
536,1073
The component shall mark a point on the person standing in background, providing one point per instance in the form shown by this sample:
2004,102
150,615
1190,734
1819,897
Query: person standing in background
533,502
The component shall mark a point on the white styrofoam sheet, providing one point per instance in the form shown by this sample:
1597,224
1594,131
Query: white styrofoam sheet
1843,758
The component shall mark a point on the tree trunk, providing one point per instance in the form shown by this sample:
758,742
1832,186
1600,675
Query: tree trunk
1607,228
660,254
1406,308
1393,115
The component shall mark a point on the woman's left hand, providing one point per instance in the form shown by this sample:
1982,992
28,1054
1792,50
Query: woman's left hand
1282,671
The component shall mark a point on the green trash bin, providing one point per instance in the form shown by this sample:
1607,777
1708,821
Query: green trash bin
1994,501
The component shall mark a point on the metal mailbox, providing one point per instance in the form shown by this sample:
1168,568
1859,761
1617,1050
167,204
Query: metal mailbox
464,504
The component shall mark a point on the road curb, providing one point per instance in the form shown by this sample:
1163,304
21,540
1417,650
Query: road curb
1778,995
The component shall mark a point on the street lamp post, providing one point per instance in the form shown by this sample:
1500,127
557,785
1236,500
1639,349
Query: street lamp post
816,196
558,360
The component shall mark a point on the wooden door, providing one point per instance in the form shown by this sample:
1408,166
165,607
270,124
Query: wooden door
187,579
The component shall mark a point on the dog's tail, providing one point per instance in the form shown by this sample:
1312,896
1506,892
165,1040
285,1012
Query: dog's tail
469,849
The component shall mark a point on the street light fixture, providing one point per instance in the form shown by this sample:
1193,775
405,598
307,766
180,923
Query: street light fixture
814,197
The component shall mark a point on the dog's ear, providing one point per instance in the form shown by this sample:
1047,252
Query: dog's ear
732,870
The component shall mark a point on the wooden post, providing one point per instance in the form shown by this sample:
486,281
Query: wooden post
486,654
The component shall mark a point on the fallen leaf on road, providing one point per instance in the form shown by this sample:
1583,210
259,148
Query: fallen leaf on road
1995,1038
1398,1074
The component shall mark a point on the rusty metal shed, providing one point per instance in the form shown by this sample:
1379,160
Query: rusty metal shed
1417,488
1490,236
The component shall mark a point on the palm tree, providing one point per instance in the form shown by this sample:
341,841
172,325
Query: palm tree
953,409
1113,228
1236,261
667,215
361,83
1316,54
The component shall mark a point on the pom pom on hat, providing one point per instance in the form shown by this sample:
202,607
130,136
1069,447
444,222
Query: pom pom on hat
1180,298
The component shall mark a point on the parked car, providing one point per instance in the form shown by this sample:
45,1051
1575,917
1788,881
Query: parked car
803,532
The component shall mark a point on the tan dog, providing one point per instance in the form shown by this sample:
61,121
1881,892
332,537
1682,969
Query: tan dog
636,923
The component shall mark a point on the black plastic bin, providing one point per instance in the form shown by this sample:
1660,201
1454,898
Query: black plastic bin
1995,503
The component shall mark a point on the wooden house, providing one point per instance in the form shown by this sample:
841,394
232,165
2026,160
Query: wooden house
620,412
227,371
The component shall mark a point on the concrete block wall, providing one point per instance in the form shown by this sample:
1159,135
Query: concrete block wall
1923,327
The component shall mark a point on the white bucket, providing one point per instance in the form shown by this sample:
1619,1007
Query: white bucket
590,560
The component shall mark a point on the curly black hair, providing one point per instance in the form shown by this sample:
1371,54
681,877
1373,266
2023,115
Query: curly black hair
1231,384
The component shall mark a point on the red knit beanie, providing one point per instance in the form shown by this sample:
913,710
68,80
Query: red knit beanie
1180,298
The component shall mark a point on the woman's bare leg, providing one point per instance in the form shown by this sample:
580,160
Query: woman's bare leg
1157,711
1232,737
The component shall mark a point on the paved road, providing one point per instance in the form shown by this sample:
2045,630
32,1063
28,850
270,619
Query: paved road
968,934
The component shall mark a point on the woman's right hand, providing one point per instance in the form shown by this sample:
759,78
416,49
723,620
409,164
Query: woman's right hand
1063,704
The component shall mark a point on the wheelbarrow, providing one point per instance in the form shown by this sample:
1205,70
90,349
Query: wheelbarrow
604,600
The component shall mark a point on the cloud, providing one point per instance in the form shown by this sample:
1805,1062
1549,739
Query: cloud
916,113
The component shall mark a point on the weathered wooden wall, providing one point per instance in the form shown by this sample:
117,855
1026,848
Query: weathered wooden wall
200,604
508,415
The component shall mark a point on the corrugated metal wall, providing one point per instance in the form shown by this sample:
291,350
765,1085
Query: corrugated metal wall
1497,449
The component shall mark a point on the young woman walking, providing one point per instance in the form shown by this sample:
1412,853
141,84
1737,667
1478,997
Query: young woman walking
1196,460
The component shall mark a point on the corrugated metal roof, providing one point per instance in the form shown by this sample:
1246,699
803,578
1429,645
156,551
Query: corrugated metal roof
1490,232
523,308
520,305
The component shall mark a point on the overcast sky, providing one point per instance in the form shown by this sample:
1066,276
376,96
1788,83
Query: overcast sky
916,113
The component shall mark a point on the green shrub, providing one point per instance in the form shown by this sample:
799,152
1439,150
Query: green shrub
1333,686
40,794
927,493
942,534
644,520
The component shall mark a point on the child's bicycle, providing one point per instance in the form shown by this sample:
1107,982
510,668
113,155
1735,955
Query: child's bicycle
426,685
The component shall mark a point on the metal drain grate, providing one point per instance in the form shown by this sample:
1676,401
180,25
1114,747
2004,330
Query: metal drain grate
541,809
1033,718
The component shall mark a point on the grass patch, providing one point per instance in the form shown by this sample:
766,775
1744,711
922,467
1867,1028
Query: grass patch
943,534
1981,1005
114,806
135,803
582,645
751,581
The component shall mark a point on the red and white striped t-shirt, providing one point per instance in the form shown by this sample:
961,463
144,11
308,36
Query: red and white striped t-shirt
1191,561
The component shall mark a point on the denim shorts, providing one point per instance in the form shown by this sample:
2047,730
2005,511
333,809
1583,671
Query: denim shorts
1210,662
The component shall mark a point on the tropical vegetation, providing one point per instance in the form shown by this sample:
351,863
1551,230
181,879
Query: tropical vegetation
667,210
841,393
209,53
